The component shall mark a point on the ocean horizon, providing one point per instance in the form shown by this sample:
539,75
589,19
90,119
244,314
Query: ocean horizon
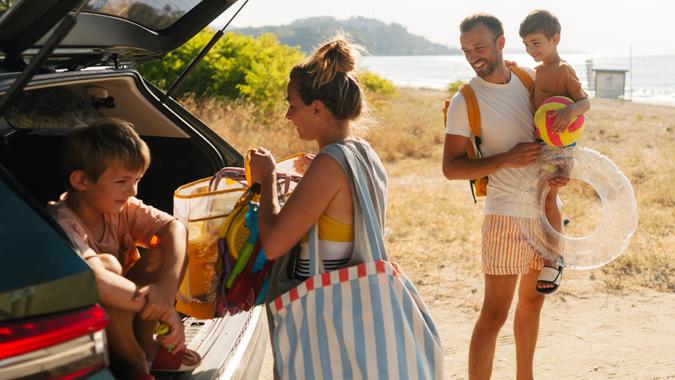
648,78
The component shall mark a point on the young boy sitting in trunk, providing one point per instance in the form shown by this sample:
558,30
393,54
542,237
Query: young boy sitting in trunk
103,164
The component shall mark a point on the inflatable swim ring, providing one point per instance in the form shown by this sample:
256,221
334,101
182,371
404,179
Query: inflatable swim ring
619,216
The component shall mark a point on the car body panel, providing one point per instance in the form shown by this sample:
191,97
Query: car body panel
39,267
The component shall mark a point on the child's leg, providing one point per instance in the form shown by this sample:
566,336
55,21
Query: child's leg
144,272
554,217
127,358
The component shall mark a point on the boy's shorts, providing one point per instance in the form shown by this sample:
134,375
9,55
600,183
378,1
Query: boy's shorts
504,250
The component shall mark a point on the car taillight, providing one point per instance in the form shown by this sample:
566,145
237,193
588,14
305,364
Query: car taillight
20,337
59,346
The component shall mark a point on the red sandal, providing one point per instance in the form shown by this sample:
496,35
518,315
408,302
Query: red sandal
182,361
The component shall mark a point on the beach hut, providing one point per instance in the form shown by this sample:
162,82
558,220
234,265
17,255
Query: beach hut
609,83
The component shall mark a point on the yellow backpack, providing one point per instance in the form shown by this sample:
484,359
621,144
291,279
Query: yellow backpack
479,185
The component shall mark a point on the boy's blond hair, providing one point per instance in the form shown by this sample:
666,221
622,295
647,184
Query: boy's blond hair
540,21
95,147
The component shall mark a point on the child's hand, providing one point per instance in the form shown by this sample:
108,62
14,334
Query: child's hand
160,302
563,119
171,333
140,297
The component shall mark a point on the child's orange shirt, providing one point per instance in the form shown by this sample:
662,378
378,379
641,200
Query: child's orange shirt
555,80
134,226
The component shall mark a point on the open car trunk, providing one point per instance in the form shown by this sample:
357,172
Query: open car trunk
183,150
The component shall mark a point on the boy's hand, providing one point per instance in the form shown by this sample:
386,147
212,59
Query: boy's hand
563,119
174,340
159,304
141,294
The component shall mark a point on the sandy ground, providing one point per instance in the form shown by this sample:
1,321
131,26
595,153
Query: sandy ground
589,330
592,335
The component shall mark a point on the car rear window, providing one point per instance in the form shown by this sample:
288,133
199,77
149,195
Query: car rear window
153,14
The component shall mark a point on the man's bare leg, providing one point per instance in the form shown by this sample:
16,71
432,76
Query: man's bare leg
499,291
526,324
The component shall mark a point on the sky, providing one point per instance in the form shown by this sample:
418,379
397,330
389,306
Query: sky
644,27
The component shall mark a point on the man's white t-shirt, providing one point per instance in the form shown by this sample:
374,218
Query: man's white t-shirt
506,120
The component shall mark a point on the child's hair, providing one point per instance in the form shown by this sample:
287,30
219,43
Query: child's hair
540,21
490,21
328,76
94,147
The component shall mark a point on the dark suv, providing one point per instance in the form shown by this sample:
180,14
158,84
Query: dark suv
64,63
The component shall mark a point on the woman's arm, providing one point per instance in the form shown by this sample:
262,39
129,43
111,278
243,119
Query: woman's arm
280,229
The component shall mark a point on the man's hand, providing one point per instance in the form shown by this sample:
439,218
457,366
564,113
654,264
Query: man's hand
522,154
159,303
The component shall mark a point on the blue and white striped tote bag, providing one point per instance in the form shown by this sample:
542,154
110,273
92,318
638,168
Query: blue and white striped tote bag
365,321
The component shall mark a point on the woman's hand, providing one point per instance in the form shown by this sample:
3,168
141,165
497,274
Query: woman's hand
262,163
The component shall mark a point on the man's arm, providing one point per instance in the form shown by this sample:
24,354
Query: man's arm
456,165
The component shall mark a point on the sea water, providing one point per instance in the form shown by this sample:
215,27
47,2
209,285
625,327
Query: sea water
649,79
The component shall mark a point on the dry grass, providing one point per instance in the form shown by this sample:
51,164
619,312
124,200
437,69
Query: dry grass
434,227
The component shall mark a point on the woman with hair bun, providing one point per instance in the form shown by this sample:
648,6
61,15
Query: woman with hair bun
324,100
364,319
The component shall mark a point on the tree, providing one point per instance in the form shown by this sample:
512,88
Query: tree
253,69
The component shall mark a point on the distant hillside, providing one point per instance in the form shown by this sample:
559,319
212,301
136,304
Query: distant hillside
376,36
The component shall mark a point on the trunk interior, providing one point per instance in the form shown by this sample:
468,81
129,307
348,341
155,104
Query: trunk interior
31,136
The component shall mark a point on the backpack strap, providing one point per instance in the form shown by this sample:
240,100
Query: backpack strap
473,114
479,185
524,77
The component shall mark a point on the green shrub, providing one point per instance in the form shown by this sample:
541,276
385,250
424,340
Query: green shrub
376,84
238,67
454,87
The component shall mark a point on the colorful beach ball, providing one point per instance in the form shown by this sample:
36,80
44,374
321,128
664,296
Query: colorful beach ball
544,117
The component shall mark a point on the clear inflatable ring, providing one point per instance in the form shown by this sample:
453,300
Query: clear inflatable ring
619,216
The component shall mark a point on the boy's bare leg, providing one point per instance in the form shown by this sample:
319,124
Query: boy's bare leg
499,291
127,355
145,272
526,324
554,217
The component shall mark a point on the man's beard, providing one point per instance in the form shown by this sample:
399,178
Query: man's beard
486,70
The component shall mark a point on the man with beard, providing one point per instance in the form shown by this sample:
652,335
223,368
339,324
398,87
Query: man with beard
507,146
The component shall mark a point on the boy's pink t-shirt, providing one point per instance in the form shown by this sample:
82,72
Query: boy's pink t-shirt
134,226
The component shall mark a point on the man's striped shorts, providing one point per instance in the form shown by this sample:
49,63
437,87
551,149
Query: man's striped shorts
504,250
